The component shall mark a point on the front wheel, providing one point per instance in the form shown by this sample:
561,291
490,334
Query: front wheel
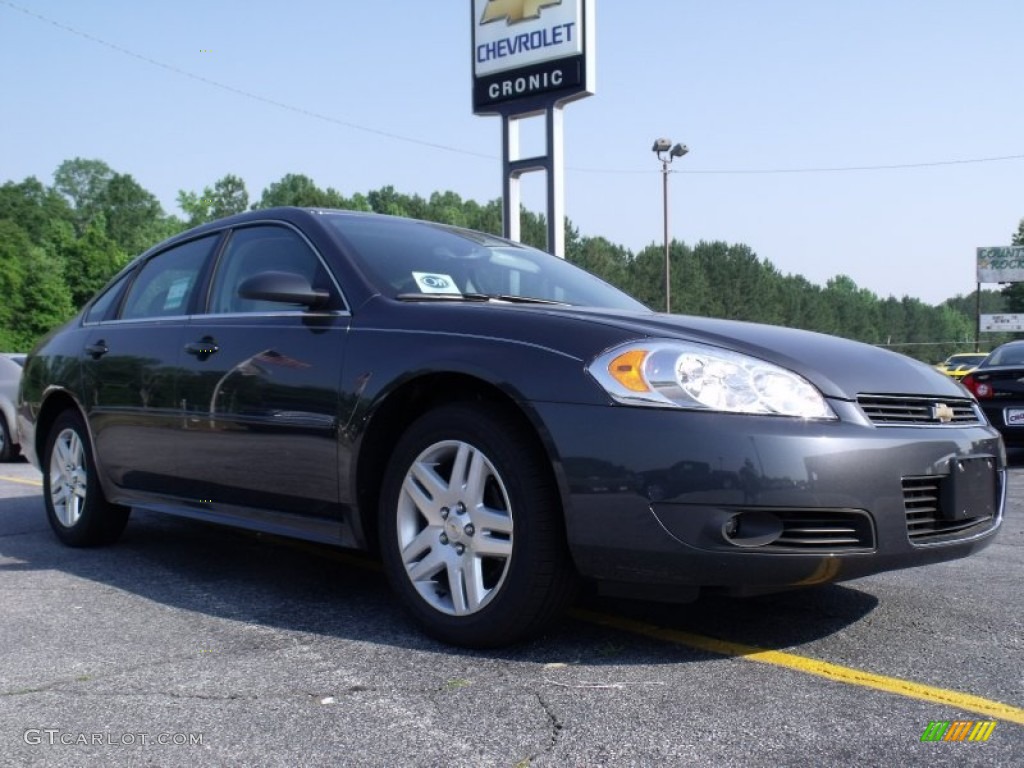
76,508
471,528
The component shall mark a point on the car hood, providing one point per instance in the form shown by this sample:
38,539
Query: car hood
837,367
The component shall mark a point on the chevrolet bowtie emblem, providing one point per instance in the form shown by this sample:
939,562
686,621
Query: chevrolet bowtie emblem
942,413
515,10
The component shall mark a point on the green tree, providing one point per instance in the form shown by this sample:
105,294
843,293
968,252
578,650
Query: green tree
447,208
485,218
1014,292
83,182
387,201
228,196
14,245
647,276
32,284
608,261
856,309
90,261
133,216
41,211
45,300
299,190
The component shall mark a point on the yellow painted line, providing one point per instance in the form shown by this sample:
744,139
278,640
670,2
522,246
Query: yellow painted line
36,483
994,710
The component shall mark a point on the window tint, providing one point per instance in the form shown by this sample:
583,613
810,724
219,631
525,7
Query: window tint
164,286
253,250
102,307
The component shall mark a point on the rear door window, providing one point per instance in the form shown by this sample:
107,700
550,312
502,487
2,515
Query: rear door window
167,282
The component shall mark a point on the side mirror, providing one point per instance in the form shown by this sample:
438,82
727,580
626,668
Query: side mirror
283,287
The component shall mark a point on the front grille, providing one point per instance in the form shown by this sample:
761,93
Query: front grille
922,500
892,410
824,531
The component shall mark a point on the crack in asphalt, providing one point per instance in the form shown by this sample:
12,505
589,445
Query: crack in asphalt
556,726
56,685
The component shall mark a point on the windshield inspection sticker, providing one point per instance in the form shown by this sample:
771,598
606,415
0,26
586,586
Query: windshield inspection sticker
431,282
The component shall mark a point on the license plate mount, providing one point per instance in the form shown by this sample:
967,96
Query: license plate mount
970,488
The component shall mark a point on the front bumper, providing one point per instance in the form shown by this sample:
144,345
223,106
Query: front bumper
662,497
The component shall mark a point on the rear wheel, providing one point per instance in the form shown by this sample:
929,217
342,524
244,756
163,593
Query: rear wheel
76,508
471,528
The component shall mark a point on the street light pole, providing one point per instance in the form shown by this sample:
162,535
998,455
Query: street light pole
666,153
668,262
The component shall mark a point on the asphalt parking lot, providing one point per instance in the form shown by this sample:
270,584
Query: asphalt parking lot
188,644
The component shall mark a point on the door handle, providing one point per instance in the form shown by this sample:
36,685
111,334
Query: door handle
203,348
97,350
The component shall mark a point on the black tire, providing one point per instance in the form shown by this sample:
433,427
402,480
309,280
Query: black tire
8,450
76,508
509,527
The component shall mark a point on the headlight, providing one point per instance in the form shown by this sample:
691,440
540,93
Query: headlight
677,374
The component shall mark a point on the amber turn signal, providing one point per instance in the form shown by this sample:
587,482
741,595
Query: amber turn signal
627,369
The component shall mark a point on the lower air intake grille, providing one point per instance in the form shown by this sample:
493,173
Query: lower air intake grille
824,531
922,499
893,411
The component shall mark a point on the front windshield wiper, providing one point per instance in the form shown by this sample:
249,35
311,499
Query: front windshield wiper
443,297
524,299
475,297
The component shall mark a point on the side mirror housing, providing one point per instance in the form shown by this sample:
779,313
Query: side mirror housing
283,287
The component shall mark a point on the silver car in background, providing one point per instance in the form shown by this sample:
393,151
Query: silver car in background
10,378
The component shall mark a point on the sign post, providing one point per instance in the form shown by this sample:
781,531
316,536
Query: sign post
530,58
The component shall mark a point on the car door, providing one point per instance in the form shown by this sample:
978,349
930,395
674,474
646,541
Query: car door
130,366
260,383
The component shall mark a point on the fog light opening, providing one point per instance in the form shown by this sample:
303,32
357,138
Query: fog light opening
752,529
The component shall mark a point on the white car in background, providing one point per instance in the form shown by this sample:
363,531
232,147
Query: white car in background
10,377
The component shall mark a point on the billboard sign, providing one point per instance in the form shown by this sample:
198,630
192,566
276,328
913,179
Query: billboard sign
1002,323
1001,264
531,54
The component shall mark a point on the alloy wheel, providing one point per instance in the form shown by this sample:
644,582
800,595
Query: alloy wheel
68,477
455,529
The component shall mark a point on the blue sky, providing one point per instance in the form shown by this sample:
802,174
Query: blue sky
749,86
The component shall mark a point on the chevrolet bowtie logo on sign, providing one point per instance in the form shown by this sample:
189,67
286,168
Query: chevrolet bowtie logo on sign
515,10
942,413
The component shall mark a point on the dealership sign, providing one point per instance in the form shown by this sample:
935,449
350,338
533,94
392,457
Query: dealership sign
1002,323
531,54
1001,264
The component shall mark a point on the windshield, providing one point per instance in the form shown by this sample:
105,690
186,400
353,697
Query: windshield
959,360
415,260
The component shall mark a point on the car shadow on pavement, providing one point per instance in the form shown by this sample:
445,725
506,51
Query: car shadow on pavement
293,586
